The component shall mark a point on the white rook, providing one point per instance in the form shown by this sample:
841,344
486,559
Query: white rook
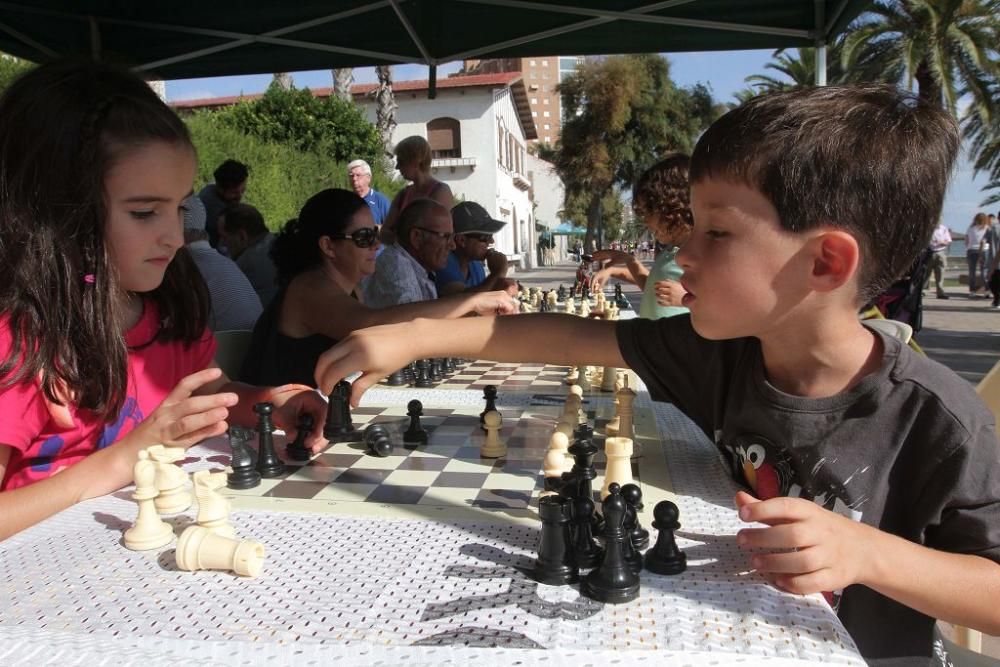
619,471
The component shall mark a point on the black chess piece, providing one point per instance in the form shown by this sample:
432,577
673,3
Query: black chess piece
555,565
268,463
410,373
520,287
296,449
436,374
561,293
339,427
415,433
543,305
583,452
378,441
631,555
665,557
614,581
586,551
633,497
424,380
490,396
243,476
396,379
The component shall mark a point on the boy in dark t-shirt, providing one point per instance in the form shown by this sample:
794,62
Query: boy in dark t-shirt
873,468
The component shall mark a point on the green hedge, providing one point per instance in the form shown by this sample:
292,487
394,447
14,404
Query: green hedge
281,177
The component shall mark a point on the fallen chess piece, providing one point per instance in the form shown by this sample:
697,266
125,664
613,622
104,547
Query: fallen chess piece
665,557
200,549
378,441
149,530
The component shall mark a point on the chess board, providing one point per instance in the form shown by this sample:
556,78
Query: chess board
446,478
513,377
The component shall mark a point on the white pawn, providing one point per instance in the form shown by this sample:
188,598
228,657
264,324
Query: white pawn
554,463
584,380
619,471
213,509
170,480
573,375
149,531
585,308
608,378
570,305
200,549
492,447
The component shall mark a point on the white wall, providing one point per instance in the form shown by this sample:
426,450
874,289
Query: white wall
487,182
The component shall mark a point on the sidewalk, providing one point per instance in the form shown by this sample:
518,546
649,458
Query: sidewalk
963,333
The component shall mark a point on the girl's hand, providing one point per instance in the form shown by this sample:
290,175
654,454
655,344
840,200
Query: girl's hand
613,257
600,279
669,293
805,549
182,419
297,400
494,303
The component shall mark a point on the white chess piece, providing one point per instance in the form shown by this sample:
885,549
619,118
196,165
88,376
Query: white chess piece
619,471
573,375
626,411
200,549
584,308
213,509
608,378
149,531
584,380
566,424
170,480
570,305
492,447
554,463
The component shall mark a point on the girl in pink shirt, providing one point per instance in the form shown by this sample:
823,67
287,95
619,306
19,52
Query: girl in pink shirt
103,345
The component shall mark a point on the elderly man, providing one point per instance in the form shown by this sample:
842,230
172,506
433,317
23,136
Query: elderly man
404,272
234,303
230,184
360,175
242,230
464,272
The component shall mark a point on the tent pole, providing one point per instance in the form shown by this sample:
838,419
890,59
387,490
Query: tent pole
820,37
95,38
432,83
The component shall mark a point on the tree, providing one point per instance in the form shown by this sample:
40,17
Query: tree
295,117
947,47
283,80
385,110
798,69
343,79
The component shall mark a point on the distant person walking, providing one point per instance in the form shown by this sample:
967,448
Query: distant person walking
940,242
976,246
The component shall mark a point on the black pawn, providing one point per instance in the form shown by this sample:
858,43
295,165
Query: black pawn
561,293
397,379
378,441
339,427
490,396
437,374
296,449
586,551
410,373
614,581
243,476
555,565
268,463
415,433
665,557
423,379
632,557
633,497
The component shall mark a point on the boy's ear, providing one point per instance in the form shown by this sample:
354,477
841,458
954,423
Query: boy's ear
835,261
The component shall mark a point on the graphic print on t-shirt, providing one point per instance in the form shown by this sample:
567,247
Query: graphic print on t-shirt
130,412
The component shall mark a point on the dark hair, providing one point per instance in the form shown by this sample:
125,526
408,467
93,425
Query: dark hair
663,190
416,212
230,173
871,160
62,127
246,218
296,249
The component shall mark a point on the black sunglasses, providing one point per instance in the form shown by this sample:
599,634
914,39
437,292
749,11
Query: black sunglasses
482,238
365,237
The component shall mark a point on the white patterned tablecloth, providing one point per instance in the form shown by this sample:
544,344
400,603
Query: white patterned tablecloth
380,591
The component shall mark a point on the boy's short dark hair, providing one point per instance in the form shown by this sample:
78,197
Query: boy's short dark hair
871,160
246,218
230,173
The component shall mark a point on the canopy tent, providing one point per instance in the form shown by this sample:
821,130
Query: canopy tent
184,38
566,229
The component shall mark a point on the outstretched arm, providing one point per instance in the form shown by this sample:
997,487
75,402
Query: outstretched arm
637,272
543,337
817,550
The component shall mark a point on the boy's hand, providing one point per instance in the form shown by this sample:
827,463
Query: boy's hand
669,293
376,351
600,279
295,401
806,549
182,419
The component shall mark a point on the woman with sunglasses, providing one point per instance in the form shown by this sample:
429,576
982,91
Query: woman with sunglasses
321,258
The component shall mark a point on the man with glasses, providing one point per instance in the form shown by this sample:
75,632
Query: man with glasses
360,175
404,272
464,272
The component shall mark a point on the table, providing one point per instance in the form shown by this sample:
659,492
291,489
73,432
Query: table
363,587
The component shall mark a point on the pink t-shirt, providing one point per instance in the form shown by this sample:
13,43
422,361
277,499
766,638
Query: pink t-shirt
43,447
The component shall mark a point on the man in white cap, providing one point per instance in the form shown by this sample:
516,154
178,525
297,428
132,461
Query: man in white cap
235,304
360,174
464,272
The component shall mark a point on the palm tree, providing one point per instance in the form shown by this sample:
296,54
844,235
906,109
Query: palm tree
948,47
343,78
282,80
385,109
799,70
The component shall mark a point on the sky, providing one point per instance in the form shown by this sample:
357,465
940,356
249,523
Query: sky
725,72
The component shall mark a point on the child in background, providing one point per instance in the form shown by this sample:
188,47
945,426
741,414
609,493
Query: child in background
661,197
104,348
873,468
